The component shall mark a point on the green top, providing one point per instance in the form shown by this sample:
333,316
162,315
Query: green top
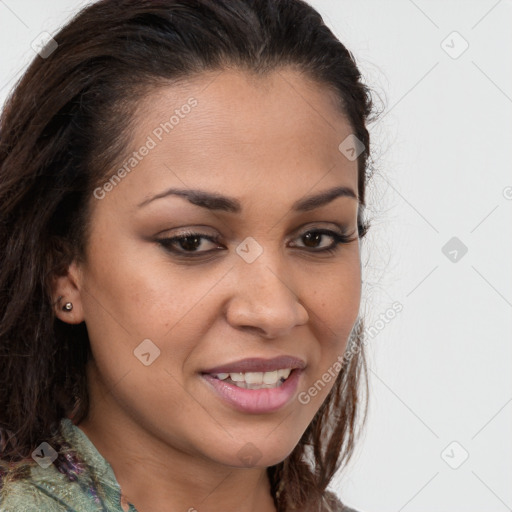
88,485
85,481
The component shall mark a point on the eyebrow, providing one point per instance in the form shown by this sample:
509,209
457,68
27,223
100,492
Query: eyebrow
214,201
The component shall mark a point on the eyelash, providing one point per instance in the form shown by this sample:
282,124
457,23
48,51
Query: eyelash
339,239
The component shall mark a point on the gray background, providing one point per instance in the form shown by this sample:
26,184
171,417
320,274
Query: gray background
440,369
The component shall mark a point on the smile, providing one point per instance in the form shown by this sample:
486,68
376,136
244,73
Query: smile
255,380
244,395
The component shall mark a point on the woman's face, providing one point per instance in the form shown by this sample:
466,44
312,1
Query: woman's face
164,317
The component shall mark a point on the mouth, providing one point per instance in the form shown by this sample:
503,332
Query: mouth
255,380
256,385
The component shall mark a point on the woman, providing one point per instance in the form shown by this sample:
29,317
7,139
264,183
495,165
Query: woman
182,194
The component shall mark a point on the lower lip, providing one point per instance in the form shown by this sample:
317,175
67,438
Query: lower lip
256,400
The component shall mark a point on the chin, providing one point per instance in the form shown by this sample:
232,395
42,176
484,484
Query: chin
255,454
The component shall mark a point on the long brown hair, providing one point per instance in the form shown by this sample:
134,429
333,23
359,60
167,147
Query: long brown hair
67,123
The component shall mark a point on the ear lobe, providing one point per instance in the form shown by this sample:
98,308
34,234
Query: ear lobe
67,299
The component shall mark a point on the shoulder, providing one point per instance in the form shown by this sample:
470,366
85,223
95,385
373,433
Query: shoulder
33,493
47,486
23,495
78,479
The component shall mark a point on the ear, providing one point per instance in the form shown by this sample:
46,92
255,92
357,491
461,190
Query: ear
67,288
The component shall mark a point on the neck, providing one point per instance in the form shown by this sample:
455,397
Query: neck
155,476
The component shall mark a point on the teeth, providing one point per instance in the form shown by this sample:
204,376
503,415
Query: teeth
284,373
256,380
270,377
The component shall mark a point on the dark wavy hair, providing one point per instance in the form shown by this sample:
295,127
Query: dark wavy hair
64,126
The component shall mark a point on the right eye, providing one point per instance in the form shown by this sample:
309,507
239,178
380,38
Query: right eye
189,242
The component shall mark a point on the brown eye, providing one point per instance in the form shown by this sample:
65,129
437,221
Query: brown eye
313,237
188,243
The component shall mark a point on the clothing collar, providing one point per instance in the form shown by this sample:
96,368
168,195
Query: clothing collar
100,470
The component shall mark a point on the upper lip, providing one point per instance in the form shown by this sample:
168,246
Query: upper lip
256,364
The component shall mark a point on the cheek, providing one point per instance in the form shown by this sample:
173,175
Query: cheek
135,309
130,289
335,302
336,308
131,298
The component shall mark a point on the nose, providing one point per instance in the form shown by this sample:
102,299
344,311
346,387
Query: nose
265,301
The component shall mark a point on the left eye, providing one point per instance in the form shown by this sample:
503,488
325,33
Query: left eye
189,241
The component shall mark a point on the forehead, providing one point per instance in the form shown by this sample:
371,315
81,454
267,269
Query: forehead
277,134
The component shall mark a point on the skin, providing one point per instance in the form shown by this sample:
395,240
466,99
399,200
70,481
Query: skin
267,141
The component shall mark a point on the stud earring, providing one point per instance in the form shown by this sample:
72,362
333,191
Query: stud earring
67,307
